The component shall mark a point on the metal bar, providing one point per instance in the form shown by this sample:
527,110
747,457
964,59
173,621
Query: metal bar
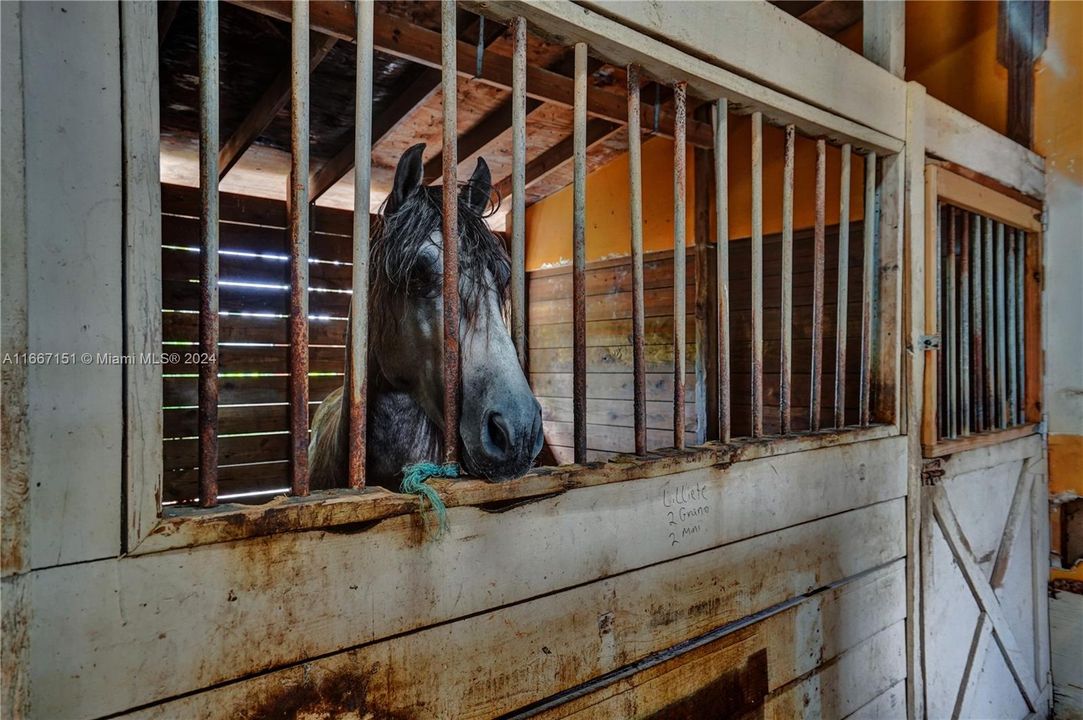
680,190
579,256
843,289
816,365
867,280
450,193
1012,336
964,326
757,274
1002,326
635,201
299,226
1020,321
359,300
989,323
518,188
978,347
786,351
950,331
208,252
720,123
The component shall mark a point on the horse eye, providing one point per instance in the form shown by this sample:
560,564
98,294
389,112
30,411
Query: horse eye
425,280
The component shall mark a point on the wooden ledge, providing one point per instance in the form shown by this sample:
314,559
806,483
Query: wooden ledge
188,527
944,448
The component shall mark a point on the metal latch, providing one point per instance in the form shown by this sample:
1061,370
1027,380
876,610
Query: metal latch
931,471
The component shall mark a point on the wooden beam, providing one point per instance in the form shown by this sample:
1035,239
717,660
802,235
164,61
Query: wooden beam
1021,39
884,34
167,13
263,113
832,16
396,36
597,131
424,85
490,128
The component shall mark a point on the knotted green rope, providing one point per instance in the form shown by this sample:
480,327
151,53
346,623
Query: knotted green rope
413,482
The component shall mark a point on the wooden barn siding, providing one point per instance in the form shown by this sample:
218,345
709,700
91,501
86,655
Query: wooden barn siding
142,630
609,343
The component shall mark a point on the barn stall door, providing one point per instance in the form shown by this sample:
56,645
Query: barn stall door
984,542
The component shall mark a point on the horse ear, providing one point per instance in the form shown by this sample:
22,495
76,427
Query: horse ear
479,188
407,176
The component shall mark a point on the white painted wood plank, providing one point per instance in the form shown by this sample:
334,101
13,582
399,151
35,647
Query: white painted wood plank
889,705
992,456
175,622
71,65
573,636
622,46
883,29
855,678
772,47
983,636
958,138
1066,626
142,267
987,600
1039,539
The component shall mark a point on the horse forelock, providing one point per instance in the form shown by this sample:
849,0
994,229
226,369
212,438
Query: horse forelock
399,244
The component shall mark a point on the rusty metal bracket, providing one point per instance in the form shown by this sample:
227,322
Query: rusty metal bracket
931,472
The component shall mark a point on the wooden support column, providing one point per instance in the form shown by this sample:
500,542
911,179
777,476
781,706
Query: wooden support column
884,34
1021,36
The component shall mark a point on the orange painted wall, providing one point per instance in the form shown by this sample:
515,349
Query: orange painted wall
549,222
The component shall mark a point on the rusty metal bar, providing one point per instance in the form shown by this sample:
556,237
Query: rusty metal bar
949,330
757,274
208,252
720,122
867,282
299,227
977,326
1002,327
680,191
964,326
843,289
816,365
450,192
518,188
1020,320
635,202
579,255
989,324
359,305
1012,337
786,320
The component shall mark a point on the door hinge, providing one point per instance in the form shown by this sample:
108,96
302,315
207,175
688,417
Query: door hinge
931,471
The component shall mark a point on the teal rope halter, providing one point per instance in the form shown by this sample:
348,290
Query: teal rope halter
414,483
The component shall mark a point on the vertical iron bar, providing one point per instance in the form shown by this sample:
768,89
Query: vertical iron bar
990,329
786,319
299,225
978,349
867,281
950,331
680,253
964,327
1002,326
1012,337
579,255
757,274
720,120
635,201
450,190
842,291
518,188
208,252
359,300
816,365
1020,321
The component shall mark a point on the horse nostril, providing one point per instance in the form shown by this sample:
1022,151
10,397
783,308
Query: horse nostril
497,440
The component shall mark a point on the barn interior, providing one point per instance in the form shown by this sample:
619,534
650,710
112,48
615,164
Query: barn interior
254,160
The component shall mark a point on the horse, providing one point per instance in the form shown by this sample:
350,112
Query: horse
500,425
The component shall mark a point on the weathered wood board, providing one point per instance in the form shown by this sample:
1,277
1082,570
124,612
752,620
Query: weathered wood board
179,621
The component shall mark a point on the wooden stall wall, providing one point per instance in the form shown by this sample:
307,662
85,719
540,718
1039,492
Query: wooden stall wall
609,349
253,420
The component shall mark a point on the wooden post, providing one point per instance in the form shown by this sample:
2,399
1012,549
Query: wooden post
884,34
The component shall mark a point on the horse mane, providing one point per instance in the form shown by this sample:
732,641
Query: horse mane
400,237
